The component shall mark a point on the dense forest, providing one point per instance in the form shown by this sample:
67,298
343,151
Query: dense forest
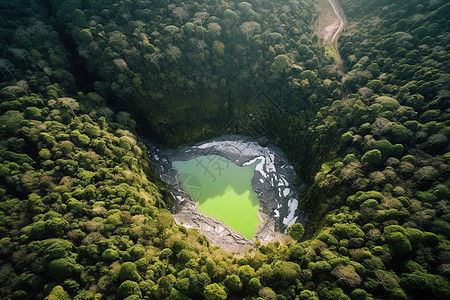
83,215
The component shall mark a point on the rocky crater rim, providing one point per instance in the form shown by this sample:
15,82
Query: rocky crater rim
278,198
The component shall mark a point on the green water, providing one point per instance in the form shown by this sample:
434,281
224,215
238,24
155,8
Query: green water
222,190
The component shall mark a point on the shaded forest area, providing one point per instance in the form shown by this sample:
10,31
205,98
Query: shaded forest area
83,216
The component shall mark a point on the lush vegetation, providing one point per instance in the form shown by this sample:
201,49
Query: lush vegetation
191,67
82,215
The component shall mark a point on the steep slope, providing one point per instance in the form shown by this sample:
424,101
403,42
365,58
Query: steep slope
189,69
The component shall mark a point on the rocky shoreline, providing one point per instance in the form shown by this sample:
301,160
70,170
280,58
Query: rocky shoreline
272,183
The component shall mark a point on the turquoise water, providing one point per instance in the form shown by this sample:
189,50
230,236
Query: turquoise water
223,190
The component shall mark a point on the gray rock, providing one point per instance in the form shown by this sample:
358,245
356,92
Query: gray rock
263,141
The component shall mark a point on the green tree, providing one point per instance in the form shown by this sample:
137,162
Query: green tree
296,231
246,273
61,268
308,295
419,281
279,65
254,285
267,293
58,293
233,283
214,292
11,121
128,271
285,273
110,255
372,157
128,288
399,244
165,286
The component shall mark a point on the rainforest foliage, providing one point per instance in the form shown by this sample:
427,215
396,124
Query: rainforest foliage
83,216
190,67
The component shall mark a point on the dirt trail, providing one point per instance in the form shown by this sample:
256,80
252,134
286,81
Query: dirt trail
329,26
341,16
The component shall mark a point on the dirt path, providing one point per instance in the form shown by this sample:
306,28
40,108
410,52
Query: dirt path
341,16
329,26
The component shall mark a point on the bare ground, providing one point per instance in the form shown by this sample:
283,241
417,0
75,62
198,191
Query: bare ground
329,25
327,22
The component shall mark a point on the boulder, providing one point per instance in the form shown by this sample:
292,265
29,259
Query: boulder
263,141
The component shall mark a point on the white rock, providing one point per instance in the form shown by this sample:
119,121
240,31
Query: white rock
283,180
290,218
259,167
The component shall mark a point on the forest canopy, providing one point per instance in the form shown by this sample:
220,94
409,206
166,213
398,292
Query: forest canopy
84,216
